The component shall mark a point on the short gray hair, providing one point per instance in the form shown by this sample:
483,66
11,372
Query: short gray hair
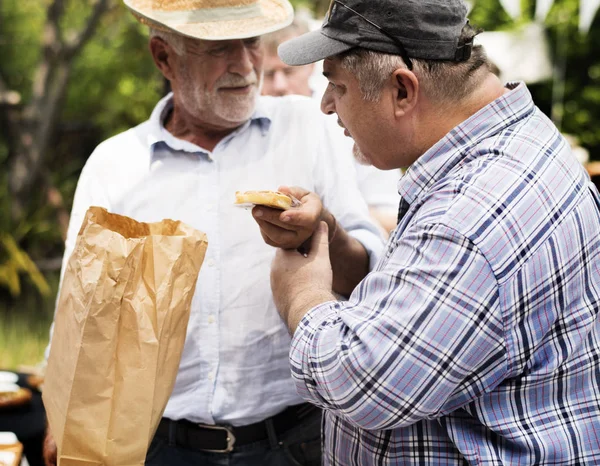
440,80
173,39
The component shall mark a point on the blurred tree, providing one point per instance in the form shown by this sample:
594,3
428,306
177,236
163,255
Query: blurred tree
30,126
58,100
74,73
572,97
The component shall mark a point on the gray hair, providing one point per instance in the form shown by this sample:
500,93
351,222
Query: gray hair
444,81
173,39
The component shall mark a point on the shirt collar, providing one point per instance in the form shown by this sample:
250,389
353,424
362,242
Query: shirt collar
448,152
158,133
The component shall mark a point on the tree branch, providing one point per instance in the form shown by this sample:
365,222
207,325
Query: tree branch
74,45
1,17
3,85
9,118
53,39
52,45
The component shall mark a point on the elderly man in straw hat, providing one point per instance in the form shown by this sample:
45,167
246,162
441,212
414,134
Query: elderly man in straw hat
234,400
476,339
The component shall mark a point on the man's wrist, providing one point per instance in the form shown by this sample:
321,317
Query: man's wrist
303,302
332,225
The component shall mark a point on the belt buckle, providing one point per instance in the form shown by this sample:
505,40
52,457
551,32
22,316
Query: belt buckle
230,438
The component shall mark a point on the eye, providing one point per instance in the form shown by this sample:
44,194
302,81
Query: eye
218,51
252,42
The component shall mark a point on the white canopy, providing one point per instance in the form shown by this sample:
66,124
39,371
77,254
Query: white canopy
520,55
587,10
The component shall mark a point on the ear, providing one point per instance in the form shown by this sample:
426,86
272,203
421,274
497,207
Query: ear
406,88
162,54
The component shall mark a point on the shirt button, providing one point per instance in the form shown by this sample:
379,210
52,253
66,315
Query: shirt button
211,262
211,319
211,376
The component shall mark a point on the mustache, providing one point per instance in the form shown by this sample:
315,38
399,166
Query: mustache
235,80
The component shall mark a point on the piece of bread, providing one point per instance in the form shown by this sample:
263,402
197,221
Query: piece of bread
273,199
11,450
12,395
35,381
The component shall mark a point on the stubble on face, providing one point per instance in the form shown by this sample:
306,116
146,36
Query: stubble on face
219,105
359,156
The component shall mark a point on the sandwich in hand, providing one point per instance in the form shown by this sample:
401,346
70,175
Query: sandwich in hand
274,199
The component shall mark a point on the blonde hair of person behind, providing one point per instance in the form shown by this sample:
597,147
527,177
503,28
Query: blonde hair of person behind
300,25
443,81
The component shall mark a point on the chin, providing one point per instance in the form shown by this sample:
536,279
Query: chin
239,111
359,156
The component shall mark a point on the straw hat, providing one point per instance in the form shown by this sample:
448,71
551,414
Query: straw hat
214,19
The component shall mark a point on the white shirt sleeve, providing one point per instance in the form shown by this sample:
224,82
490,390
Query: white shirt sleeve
89,192
379,187
336,180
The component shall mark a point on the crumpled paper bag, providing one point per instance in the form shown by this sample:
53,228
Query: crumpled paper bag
119,331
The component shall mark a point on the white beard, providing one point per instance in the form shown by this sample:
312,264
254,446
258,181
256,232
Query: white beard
359,156
232,110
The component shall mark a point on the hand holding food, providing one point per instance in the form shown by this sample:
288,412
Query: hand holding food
275,199
293,227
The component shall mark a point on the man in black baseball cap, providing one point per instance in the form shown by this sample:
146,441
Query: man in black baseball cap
476,339
425,29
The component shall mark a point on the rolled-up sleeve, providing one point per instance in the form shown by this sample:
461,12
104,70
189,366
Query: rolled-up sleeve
421,336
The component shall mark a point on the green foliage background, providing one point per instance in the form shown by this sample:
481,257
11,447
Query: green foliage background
581,107
114,85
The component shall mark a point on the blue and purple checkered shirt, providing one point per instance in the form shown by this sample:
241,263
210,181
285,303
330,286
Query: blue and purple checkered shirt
476,340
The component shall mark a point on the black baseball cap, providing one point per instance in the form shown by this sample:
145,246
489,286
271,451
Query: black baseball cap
427,29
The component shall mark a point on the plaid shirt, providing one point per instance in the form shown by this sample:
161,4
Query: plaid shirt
476,340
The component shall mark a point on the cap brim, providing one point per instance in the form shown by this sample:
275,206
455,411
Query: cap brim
310,47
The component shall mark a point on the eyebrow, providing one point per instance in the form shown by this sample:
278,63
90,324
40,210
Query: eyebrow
330,74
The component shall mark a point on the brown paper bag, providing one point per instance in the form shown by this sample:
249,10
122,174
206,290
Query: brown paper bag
119,331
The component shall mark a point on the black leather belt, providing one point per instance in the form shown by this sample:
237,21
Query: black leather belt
222,438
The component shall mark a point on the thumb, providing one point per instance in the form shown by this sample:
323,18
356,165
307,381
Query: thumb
295,191
319,245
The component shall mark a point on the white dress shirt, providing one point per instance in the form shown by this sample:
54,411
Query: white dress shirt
234,368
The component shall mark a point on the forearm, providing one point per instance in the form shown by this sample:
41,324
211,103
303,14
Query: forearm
349,258
302,302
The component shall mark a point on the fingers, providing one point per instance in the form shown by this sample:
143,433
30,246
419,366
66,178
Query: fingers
273,216
49,450
295,191
291,228
319,245
306,215
278,237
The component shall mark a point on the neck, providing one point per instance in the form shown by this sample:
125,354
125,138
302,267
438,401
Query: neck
185,126
441,119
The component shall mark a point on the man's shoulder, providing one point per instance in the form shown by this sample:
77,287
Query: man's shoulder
131,138
491,197
291,106
298,116
127,145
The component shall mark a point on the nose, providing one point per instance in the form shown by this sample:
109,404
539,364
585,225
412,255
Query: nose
327,103
280,83
241,59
